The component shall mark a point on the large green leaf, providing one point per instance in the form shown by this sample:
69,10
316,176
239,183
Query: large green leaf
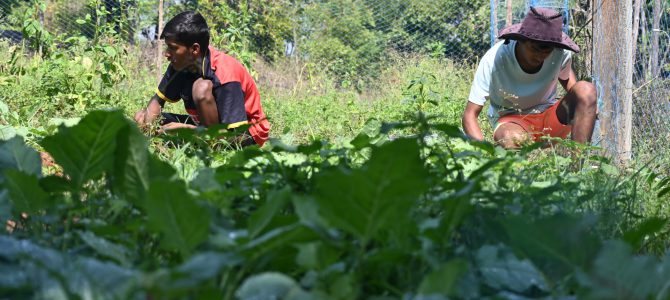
172,211
279,238
14,154
131,165
636,236
444,280
105,247
260,218
49,274
86,150
619,274
25,192
558,244
379,195
5,206
201,267
270,285
504,271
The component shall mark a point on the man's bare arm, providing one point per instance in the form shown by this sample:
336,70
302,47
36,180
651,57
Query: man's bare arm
150,113
470,123
567,84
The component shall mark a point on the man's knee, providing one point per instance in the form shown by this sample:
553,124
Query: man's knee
511,136
585,93
202,90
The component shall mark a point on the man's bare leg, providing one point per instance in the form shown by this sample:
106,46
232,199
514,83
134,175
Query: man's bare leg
579,107
205,102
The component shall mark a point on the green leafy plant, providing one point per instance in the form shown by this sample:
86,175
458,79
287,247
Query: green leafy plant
383,217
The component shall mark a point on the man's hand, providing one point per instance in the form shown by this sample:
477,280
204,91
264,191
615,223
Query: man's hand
174,125
146,116
141,116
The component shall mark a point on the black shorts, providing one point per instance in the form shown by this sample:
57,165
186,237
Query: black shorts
244,138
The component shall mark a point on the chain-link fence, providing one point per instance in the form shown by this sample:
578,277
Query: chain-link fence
507,12
350,39
651,76
353,40
631,64
124,18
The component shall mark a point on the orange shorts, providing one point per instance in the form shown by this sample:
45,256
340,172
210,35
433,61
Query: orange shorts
538,125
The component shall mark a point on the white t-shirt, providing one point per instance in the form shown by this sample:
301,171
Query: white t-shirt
511,90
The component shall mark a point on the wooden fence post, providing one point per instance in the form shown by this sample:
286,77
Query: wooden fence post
613,70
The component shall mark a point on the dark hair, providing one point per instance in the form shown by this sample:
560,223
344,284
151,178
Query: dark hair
188,28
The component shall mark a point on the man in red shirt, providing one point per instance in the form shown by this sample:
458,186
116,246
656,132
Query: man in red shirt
215,88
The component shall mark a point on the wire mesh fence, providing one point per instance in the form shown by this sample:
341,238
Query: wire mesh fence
507,12
353,40
651,76
80,17
631,63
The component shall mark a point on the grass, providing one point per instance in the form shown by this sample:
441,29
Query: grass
301,110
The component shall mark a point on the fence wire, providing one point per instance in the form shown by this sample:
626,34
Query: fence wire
507,12
348,38
354,39
651,77
91,19
631,63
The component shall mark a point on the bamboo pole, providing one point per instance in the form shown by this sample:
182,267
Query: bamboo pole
159,43
508,19
494,21
655,30
636,24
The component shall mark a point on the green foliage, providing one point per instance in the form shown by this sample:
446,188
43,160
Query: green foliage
339,38
360,209
47,91
462,32
85,151
33,31
173,212
24,191
426,215
231,28
375,197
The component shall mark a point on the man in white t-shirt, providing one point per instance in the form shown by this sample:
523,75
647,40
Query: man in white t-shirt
518,76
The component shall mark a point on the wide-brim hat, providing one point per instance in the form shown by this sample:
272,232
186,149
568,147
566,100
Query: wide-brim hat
542,25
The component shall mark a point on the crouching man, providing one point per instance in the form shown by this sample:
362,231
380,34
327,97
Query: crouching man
215,88
519,76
